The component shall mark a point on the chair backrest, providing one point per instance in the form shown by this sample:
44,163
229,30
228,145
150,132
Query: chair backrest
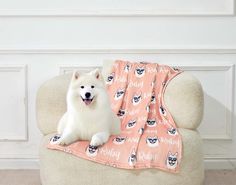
183,98
51,103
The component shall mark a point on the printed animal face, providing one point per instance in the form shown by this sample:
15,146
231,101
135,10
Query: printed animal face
132,159
119,140
121,113
162,111
171,160
139,72
131,124
175,69
172,131
153,99
127,68
110,79
136,99
55,138
151,122
92,151
119,94
152,141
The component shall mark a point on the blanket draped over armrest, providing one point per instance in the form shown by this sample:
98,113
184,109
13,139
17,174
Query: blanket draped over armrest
149,137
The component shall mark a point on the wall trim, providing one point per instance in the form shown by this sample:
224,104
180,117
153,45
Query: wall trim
220,164
67,69
230,69
19,163
114,12
123,50
19,68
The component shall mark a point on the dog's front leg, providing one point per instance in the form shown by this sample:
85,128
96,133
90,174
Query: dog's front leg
99,138
67,138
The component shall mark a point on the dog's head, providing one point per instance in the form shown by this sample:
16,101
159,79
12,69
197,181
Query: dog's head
87,86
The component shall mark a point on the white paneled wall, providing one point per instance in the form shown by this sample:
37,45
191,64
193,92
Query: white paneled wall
41,39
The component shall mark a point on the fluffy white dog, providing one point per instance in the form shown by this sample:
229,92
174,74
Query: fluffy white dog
89,115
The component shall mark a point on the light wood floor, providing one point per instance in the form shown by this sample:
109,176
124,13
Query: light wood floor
31,177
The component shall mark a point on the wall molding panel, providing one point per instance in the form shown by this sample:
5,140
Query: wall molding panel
70,69
120,8
19,99
229,98
123,50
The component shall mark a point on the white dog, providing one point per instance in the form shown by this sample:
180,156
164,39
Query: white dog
89,115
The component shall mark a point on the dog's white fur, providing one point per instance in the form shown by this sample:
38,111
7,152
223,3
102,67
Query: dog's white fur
95,121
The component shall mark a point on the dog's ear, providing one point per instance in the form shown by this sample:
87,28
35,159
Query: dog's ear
96,73
75,75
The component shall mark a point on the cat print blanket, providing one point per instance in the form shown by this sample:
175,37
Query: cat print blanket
149,137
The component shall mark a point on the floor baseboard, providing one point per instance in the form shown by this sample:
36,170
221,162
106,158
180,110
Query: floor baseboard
19,163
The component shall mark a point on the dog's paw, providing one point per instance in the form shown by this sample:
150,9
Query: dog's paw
96,141
54,140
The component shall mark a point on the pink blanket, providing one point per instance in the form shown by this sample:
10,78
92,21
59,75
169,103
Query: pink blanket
149,136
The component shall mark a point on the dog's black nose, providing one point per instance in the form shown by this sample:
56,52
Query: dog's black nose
87,94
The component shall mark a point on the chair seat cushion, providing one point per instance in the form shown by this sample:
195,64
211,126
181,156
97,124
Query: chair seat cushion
60,168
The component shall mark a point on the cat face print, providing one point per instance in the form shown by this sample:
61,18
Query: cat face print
139,72
92,151
175,68
127,68
136,99
132,159
131,124
151,122
153,99
152,141
119,94
172,131
121,113
110,79
119,140
162,111
54,138
171,161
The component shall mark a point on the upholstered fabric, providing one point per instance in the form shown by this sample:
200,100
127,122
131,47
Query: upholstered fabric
51,103
58,168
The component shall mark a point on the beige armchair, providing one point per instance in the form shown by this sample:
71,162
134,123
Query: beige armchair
184,99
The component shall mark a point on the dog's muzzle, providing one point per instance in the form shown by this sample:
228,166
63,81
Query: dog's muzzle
88,99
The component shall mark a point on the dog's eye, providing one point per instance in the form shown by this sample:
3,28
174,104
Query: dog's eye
82,87
92,86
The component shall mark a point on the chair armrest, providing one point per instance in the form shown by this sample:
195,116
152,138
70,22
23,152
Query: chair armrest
185,101
51,103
